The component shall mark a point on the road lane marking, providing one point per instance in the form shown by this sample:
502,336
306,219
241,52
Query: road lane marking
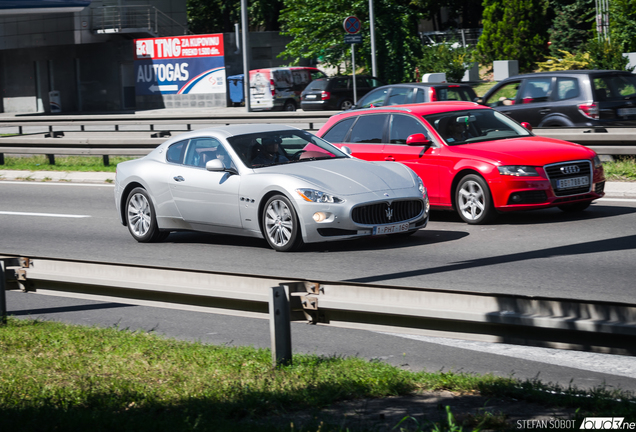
43,214
611,364
39,183
618,199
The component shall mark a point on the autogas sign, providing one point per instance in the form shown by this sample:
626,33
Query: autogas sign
180,65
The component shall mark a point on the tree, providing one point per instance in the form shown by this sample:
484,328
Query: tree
317,28
571,25
513,30
219,16
623,24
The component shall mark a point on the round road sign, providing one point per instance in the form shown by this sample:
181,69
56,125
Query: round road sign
351,25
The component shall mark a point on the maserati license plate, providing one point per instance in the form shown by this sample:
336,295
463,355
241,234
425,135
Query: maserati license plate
390,229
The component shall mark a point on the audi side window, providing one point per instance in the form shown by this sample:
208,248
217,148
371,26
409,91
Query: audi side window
368,129
402,126
175,152
338,133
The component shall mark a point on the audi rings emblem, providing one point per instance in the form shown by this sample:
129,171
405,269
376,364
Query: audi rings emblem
570,169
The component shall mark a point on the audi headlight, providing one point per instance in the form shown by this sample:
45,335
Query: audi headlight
313,195
517,170
597,161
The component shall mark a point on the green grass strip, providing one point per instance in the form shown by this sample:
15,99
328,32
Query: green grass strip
62,163
58,377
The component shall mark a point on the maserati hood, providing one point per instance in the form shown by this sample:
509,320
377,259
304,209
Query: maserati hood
349,176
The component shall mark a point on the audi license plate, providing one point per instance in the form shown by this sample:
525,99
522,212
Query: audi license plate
310,97
572,182
390,229
626,111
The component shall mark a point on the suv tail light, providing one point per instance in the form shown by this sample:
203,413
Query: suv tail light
589,110
432,94
272,86
325,95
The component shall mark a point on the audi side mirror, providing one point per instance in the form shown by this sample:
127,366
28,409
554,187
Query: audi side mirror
527,126
418,139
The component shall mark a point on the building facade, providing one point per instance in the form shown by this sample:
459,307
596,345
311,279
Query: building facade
80,54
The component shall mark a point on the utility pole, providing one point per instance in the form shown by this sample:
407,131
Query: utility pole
246,57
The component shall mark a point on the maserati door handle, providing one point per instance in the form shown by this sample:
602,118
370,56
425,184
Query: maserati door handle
178,178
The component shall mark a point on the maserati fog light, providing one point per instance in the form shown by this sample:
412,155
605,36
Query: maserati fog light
319,216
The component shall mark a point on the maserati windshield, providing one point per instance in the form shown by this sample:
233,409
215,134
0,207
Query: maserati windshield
280,147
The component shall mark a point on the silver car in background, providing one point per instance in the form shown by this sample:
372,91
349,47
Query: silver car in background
267,181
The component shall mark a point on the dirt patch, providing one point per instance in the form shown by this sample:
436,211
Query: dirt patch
424,410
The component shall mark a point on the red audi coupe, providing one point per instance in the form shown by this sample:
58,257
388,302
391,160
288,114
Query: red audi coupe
472,158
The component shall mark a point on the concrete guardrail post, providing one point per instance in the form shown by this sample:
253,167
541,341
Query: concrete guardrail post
280,325
505,68
3,295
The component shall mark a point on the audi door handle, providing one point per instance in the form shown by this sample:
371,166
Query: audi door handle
389,158
544,111
178,178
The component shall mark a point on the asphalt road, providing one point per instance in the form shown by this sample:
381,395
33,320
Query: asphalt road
550,253
544,253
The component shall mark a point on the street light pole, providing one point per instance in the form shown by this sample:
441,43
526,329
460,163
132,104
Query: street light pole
374,64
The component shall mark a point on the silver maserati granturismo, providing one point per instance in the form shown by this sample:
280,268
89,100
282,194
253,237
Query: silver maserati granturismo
268,181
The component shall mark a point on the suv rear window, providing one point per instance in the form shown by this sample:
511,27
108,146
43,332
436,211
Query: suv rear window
319,84
614,87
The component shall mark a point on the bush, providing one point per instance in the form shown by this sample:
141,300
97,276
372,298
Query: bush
445,58
569,61
607,55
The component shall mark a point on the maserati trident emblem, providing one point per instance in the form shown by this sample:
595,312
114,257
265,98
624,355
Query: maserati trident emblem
389,212
570,169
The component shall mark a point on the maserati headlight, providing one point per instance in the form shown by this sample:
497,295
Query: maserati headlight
313,195
517,170
420,186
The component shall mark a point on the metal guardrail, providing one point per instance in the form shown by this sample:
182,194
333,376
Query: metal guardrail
540,321
610,140
151,131
605,141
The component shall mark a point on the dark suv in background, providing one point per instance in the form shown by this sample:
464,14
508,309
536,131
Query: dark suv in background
336,93
400,94
567,98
